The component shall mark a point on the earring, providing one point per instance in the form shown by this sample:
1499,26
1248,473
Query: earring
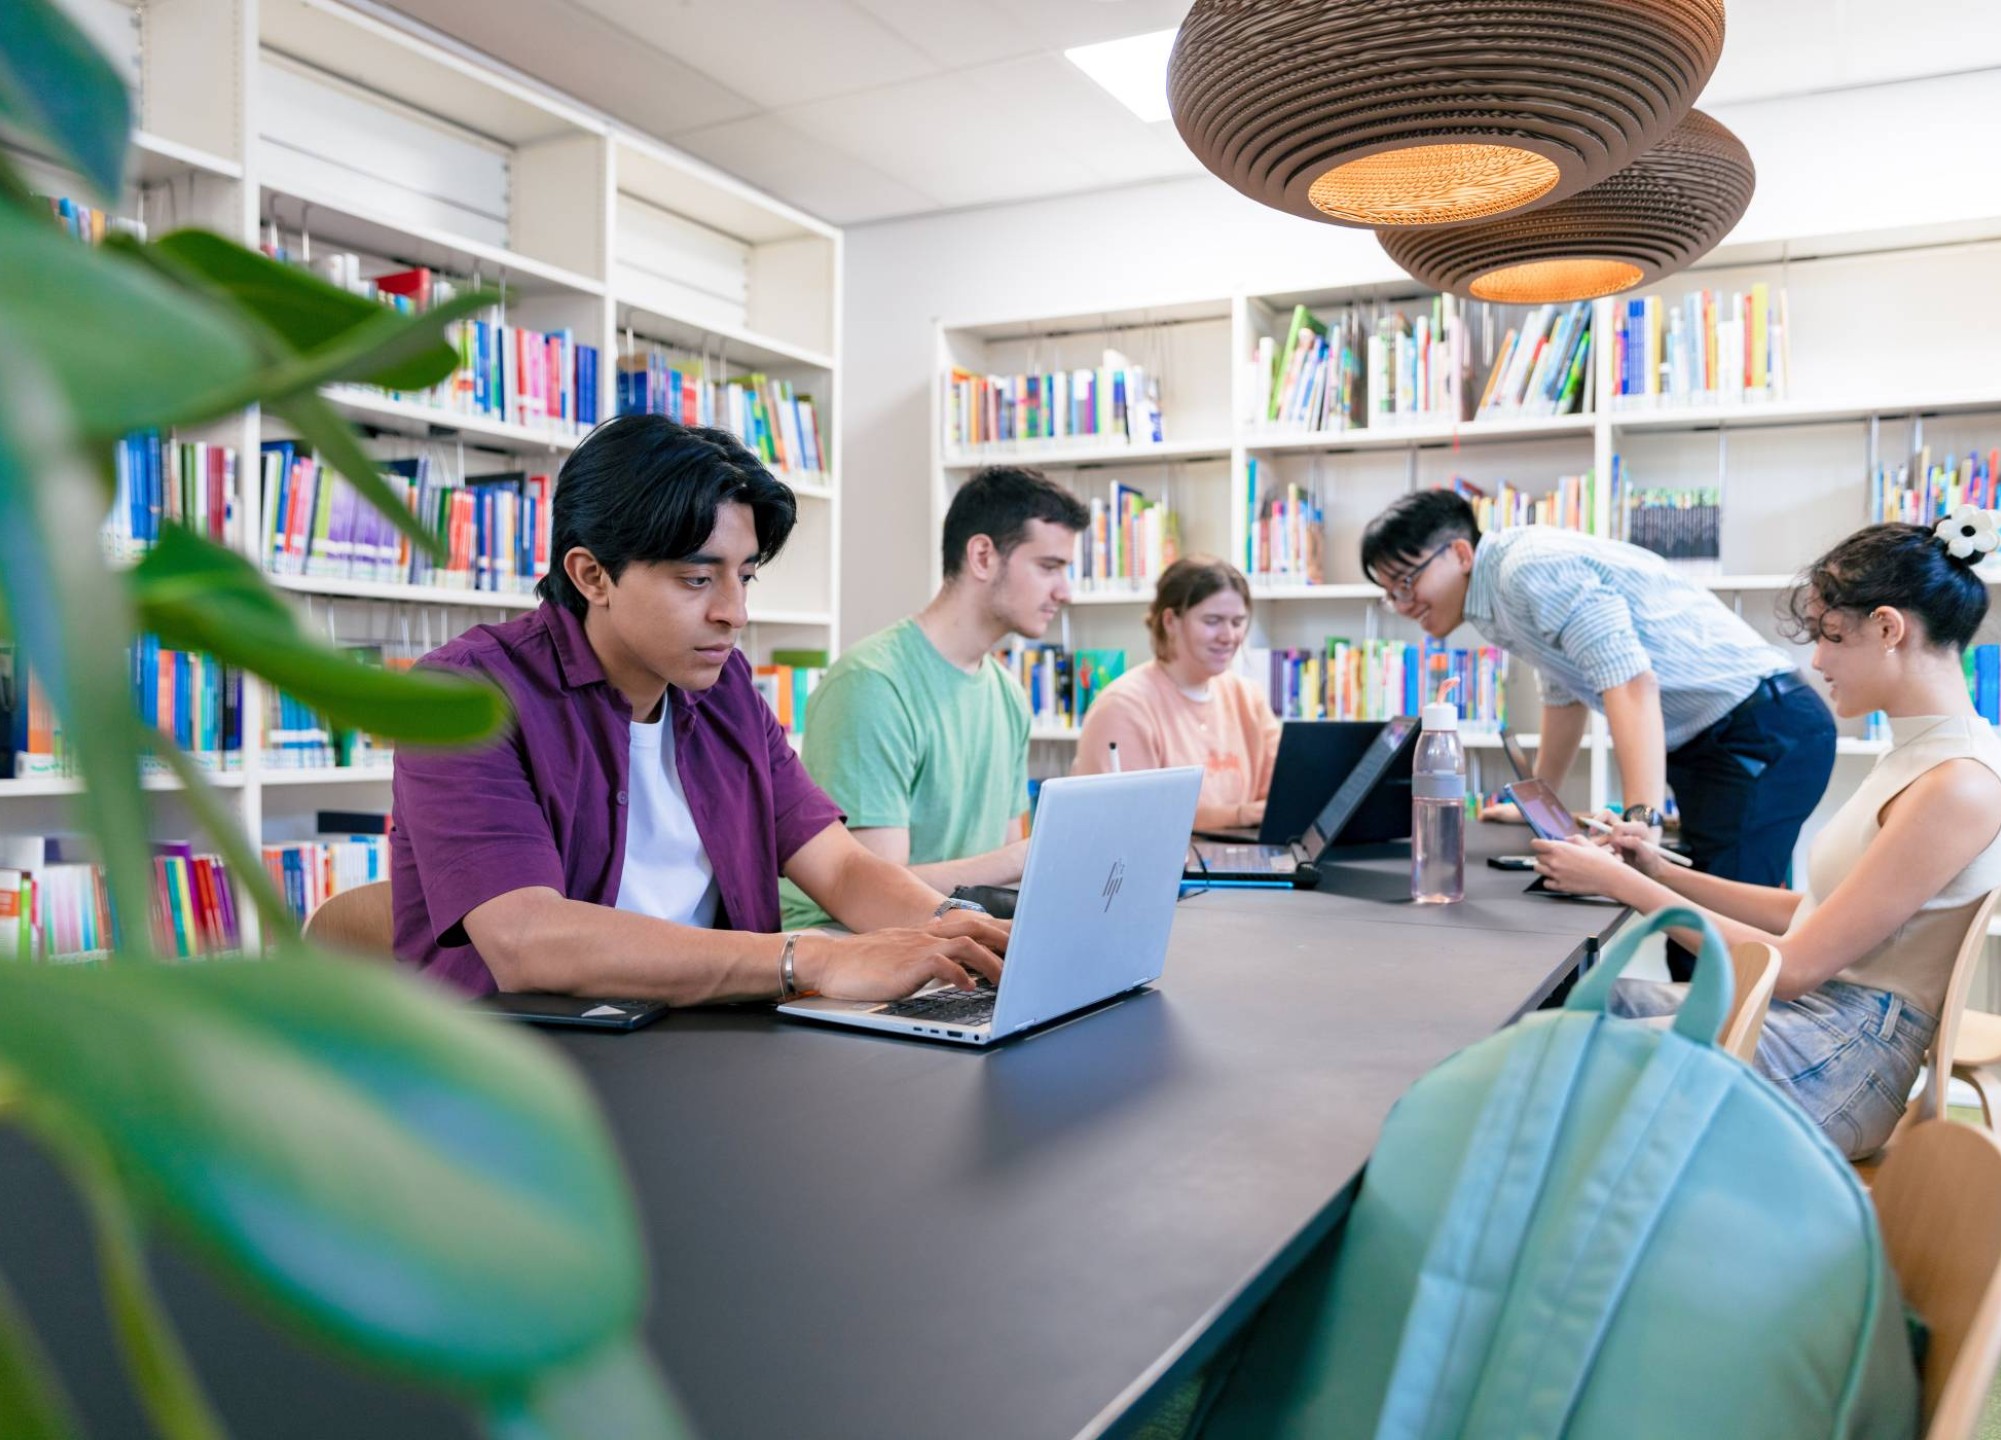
1891,650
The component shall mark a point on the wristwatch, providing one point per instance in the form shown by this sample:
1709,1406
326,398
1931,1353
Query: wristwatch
1645,814
949,903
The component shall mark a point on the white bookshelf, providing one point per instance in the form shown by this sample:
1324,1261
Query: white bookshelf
1885,355
346,129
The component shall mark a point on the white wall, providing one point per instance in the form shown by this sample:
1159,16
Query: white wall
1899,157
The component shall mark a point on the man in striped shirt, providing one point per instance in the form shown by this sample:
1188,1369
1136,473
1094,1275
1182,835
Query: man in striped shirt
1693,697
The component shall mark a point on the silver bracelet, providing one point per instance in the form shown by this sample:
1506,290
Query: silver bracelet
947,905
788,979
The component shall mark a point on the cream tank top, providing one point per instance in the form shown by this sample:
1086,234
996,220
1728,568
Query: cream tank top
1916,961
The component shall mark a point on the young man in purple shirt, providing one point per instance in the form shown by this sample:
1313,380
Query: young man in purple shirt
626,836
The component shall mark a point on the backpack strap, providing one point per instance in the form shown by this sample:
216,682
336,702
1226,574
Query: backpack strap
1709,993
1463,1283
1558,1313
1461,1306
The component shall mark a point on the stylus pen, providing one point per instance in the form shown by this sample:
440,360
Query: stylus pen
1660,850
1112,747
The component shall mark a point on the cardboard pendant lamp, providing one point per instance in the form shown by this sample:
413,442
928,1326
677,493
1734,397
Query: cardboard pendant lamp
1660,214
1426,112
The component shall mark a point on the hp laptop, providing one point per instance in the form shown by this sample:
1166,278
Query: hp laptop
1338,821
1096,905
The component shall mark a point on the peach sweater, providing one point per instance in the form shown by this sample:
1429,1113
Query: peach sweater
1232,735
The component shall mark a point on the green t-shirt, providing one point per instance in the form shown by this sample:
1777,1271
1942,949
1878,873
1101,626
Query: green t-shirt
902,738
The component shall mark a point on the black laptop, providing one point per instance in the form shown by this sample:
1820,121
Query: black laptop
1353,815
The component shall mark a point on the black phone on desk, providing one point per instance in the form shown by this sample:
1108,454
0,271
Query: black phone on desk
580,1011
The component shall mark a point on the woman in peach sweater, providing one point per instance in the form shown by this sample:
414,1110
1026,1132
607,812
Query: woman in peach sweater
1186,706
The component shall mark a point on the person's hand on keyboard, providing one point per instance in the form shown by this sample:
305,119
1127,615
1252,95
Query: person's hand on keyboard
890,964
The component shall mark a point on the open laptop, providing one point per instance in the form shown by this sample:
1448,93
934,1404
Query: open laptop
1096,905
1337,824
1518,759
1314,757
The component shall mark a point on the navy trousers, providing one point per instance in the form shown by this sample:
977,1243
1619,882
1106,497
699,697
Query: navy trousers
1746,784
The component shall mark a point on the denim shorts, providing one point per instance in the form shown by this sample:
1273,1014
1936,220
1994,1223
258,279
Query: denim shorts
1847,1055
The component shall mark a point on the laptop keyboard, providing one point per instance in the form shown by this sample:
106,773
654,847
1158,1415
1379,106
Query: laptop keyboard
1239,859
957,1007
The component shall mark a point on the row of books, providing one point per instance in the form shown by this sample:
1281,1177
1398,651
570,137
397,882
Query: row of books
1117,402
1380,679
496,528
1129,541
1416,369
1682,524
307,872
164,480
1707,348
192,698
1543,366
768,415
1924,491
90,225
1313,379
55,911
1060,684
787,684
539,379
1287,536
1570,504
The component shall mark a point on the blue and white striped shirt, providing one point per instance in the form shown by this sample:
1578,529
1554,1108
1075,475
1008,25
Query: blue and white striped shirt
1591,614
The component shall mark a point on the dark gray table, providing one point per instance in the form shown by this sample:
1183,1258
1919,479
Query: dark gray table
869,1237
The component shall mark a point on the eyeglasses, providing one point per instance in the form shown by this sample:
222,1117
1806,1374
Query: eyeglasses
1399,591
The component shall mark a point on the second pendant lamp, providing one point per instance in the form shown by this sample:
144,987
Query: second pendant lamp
1427,112
1660,214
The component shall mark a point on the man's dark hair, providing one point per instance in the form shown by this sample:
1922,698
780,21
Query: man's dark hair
642,488
1413,527
998,502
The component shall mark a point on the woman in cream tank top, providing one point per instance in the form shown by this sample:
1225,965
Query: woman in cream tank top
1867,948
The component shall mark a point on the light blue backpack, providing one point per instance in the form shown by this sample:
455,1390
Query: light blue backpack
1590,1227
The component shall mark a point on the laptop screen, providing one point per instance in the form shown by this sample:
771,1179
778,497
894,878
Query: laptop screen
1518,759
1368,771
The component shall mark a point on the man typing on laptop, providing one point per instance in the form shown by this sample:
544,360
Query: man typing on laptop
626,836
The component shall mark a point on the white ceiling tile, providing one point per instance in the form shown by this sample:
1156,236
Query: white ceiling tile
956,33
597,61
801,168
1078,118
1060,24
1788,47
778,52
944,137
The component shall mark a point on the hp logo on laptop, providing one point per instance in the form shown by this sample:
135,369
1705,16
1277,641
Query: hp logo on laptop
1113,881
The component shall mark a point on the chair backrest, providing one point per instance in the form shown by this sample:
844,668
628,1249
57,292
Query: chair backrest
1938,1197
1938,1060
356,922
1755,966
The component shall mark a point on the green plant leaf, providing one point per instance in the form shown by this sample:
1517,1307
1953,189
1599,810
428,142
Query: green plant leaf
322,427
196,595
57,85
306,311
246,866
129,351
616,1394
33,1404
422,1186
69,625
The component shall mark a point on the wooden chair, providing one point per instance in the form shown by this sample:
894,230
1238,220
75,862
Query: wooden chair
1976,1054
355,922
1939,1058
1756,968
1939,1199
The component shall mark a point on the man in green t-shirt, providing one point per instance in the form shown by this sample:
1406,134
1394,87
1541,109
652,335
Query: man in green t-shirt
918,733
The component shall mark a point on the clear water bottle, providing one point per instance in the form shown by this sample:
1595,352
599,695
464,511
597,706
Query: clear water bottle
1438,810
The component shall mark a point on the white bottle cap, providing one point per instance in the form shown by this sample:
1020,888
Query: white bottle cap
1443,715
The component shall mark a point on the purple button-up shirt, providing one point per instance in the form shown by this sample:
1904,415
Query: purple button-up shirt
546,805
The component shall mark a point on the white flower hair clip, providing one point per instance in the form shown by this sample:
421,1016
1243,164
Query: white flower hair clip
1967,533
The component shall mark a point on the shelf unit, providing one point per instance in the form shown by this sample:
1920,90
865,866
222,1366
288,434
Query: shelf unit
344,130
1794,470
